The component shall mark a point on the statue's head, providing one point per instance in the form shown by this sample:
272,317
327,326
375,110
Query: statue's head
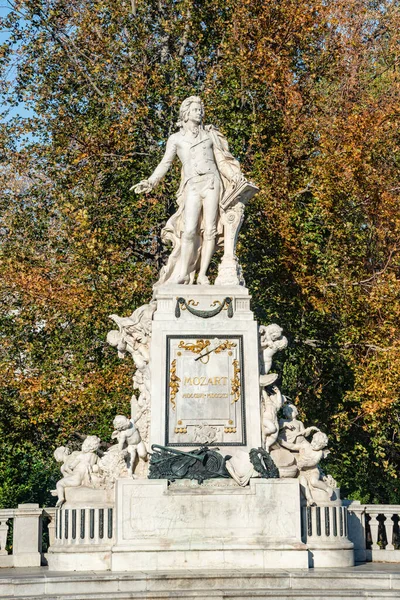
91,443
289,411
114,338
189,110
274,330
319,441
61,453
121,422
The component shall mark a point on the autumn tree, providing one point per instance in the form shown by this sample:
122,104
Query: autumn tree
307,93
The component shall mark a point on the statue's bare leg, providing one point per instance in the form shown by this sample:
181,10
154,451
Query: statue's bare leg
316,482
132,458
73,480
306,488
210,214
60,494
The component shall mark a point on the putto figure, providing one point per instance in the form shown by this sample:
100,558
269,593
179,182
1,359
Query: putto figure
210,176
128,437
77,467
272,340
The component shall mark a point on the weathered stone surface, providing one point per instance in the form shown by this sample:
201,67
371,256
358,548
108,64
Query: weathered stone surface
162,528
367,581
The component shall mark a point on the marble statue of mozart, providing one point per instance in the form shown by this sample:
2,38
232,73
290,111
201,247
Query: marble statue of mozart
208,171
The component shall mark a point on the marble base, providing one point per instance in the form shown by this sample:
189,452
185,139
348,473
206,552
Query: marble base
224,527
331,556
79,559
84,497
197,399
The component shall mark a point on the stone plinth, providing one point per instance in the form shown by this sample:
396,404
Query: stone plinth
214,525
27,532
84,497
84,531
204,369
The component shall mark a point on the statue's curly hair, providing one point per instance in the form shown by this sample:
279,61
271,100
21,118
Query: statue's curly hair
91,443
121,422
185,107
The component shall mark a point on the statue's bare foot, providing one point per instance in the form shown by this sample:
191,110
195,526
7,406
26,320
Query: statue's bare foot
203,280
60,503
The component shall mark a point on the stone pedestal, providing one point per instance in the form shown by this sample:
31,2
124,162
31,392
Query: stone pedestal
84,531
326,528
27,532
204,369
217,525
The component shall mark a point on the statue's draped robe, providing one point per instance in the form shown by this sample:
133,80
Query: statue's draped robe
227,167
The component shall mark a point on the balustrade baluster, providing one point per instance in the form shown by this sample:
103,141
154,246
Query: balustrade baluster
374,527
67,526
327,522
3,536
52,530
82,525
96,536
334,514
60,520
313,520
389,531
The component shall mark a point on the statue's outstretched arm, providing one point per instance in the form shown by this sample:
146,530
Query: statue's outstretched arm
289,445
146,185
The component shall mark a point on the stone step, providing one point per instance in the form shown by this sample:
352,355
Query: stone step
225,595
375,582
271,595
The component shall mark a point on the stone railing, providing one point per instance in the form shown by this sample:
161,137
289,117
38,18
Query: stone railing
324,522
325,531
21,535
374,530
83,526
22,542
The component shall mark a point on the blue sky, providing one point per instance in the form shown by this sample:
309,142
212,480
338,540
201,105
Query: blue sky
20,110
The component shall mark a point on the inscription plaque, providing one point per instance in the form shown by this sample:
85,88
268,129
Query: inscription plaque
205,391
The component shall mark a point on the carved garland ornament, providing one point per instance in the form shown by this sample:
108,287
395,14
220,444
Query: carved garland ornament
174,381
201,345
196,348
181,304
235,389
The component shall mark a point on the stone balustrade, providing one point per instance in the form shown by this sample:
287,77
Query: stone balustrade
374,530
324,522
82,526
325,531
26,543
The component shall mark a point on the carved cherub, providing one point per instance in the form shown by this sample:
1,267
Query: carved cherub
64,455
129,438
77,467
290,428
134,334
272,400
271,340
309,456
